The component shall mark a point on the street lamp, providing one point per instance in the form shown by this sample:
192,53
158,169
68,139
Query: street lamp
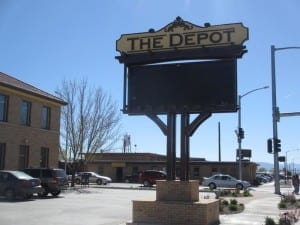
240,131
276,114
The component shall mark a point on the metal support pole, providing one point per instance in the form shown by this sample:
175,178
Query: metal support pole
67,139
285,165
171,146
185,152
187,131
239,139
219,140
275,120
124,88
275,113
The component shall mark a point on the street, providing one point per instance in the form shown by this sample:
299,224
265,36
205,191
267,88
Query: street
112,205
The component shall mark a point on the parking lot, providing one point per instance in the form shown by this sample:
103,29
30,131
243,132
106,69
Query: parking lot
112,205
92,206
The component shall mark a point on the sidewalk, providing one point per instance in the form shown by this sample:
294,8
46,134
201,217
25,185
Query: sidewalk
264,203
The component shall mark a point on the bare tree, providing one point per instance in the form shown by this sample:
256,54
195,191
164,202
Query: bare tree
90,121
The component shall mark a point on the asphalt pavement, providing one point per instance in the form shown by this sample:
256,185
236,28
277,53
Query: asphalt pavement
112,205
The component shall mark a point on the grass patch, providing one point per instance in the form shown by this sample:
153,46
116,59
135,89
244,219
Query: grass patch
232,193
289,201
230,207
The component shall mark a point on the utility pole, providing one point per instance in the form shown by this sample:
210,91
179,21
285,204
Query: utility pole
276,115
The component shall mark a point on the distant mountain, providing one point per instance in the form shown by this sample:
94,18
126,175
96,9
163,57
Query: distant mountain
269,166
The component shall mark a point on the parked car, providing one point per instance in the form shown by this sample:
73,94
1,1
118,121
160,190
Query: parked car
53,180
224,180
92,178
262,178
134,178
149,177
18,183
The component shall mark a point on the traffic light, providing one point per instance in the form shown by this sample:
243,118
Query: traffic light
281,158
241,133
277,145
270,150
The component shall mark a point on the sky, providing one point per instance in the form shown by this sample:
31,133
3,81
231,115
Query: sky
44,42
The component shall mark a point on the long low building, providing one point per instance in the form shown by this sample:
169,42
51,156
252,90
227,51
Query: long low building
118,165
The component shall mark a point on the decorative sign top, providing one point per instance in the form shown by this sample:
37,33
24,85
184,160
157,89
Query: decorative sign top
182,35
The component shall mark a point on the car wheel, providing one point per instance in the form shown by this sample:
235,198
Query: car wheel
10,194
77,181
99,181
212,186
55,193
239,186
43,193
28,196
147,183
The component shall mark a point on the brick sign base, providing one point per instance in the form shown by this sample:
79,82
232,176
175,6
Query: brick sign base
177,203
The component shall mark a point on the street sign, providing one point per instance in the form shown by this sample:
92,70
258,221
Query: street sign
245,153
281,158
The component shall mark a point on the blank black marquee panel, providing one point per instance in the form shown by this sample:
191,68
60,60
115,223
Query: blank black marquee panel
209,86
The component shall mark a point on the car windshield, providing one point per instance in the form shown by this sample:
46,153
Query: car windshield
21,175
60,173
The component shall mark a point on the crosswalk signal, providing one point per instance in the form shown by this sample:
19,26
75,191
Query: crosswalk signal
277,145
269,142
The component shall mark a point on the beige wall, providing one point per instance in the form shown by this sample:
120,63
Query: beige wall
206,169
14,134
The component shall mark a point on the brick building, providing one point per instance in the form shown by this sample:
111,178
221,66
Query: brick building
29,125
118,165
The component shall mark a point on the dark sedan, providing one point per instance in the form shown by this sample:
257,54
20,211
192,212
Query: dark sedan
134,178
18,184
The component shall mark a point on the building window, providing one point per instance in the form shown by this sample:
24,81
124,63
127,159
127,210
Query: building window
25,113
3,108
178,171
100,170
214,170
154,168
46,117
23,156
196,172
2,155
135,170
44,161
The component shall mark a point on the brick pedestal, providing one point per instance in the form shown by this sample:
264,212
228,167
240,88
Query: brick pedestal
177,203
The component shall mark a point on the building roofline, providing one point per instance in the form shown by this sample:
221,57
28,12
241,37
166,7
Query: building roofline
14,83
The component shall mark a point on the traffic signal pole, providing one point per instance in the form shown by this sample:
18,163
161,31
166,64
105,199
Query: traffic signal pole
275,115
239,140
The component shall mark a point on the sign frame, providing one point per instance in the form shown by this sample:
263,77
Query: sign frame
182,40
